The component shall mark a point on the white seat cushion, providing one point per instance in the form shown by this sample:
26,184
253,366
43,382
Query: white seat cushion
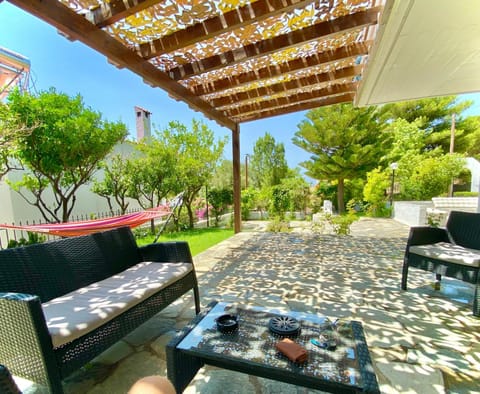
81,311
448,252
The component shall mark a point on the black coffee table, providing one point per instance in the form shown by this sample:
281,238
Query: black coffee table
251,350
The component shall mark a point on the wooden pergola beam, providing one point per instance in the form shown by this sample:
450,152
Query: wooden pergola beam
347,97
77,27
275,44
348,51
232,20
237,202
308,81
291,99
110,12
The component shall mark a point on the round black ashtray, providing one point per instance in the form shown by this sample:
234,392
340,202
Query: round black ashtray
227,323
284,325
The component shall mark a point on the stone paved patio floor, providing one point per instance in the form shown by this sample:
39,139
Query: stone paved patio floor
421,341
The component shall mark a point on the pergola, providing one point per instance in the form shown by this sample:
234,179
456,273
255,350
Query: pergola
237,60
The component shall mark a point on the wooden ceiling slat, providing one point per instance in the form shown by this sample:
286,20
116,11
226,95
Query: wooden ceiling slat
271,45
77,27
357,49
347,97
311,80
327,84
115,10
291,99
232,20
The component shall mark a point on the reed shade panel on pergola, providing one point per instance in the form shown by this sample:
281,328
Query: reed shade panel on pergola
233,60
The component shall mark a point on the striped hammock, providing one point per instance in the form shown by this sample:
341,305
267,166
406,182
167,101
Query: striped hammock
72,229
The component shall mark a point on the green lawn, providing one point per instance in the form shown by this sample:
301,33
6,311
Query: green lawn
198,239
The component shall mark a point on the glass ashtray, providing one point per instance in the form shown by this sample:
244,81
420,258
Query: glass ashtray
227,323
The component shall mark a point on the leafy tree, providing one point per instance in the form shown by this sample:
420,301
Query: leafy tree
345,143
64,149
408,139
117,182
222,176
433,116
248,201
298,190
378,181
11,129
425,176
326,190
464,130
219,200
262,201
197,154
422,174
279,201
354,193
152,171
470,141
267,164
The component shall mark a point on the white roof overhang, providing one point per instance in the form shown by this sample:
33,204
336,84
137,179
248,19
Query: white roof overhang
424,48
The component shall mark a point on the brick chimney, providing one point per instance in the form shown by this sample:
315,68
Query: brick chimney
144,127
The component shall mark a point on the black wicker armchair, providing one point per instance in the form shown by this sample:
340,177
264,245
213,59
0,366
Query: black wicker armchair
37,276
453,251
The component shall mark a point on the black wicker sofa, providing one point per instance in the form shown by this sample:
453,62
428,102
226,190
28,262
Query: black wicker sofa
64,302
452,251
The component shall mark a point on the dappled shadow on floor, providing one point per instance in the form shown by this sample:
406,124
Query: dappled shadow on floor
309,268
421,340
356,278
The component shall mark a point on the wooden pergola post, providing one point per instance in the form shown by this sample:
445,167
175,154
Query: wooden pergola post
237,208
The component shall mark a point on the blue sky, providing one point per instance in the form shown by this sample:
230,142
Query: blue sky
71,67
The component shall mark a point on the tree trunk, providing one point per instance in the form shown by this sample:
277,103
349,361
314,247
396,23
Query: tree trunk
340,192
109,201
65,214
190,216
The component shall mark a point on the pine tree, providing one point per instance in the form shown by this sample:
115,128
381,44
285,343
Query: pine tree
345,143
